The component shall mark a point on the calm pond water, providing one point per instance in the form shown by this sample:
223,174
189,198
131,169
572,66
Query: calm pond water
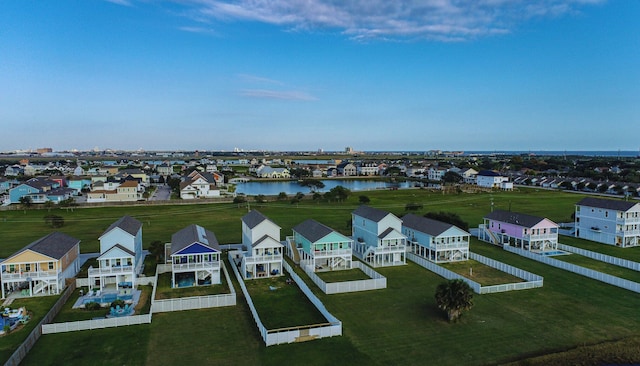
293,187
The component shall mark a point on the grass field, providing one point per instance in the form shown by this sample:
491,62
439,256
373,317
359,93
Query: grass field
579,260
399,325
164,290
342,276
481,273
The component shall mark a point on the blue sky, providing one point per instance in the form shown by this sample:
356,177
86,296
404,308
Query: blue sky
310,74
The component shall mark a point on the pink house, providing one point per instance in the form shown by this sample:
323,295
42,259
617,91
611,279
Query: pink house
527,232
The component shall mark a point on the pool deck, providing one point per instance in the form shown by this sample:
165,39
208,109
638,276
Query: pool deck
134,300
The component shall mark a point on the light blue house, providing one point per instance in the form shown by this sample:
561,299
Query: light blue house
79,183
26,190
5,185
434,240
321,247
378,237
120,255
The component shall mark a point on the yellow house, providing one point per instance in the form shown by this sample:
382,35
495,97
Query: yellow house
41,267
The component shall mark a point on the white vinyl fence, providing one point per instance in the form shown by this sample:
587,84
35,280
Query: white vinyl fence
194,302
293,334
531,280
96,324
602,277
625,263
376,281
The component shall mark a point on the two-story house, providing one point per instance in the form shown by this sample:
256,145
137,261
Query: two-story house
195,257
532,233
378,238
321,247
199,185
434,240
493,179
264,252
120,255
41,267
608,221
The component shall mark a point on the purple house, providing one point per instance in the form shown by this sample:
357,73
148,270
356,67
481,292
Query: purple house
536,234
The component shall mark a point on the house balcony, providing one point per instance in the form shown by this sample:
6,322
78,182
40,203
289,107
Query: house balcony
24,276
262,258
390,249
628,232
628,221
550,236
185,267
449,246
331,253
110,270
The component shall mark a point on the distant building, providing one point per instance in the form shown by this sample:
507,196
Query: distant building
608,221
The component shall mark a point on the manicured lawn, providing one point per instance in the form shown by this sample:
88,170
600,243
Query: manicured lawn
599,266
164,290
481,273
632,254
68,314
354,274
399,325
282,307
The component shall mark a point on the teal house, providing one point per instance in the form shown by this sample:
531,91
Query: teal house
321,247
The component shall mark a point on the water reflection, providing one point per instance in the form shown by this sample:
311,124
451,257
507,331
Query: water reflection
292,187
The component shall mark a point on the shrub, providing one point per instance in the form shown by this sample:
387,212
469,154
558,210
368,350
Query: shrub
117,302
92,306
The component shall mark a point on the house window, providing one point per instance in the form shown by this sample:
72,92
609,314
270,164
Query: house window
50,265
606,214
27,267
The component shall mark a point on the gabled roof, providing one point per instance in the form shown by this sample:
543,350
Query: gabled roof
54,245
120,247
193,234
515,218
606,204
426,225
254,218
126,223
370,213
489,173
387,232
264,239
312,230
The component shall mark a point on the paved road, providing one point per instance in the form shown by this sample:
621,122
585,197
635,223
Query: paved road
162,193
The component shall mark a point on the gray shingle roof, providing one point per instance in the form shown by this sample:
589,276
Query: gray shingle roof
425,225
126,223
312,230
514,218
254,218
193,234
54,245
370,213
606,204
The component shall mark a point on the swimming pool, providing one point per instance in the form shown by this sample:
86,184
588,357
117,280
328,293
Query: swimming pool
554,252
107,298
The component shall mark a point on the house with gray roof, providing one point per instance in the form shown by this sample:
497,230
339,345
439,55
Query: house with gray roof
264,253
320,247
378,238
435,240
608,221
532,233
41,267
195,257
120,257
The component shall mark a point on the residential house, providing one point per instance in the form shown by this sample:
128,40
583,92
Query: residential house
347,169
128,191
35,189
41,267
265,171
195,257
79,183
493,179
5,185
434,240
264,252
435,173
320,247
608,221
378,238
532,233
367,169
199,185
469,176
120,255
165,169
14,170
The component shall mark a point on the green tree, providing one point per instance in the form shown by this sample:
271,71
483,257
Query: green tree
156,248
313,184
260,198
282,196
54,221
25,201
338,193
454,297
364,199
239,199
413,206
448,217
451,177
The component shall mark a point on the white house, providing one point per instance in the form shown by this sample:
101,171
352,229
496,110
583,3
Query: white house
264,254
493,179
199,185
378,238
120,255
434,240
608,221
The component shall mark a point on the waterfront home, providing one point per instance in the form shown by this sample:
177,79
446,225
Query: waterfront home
195,257
434,240
378,238
264,252
608,221
199,185
41,267
523,231
321,247
120,255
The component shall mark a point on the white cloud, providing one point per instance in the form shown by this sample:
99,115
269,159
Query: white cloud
200,30
120,2
444,20
276,94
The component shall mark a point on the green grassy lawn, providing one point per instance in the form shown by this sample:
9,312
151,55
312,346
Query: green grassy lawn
599,266
481,273
37,307
68,314
284,307
399,325
632,254
164,290
354,274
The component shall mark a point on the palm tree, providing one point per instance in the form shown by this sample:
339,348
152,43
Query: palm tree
454,296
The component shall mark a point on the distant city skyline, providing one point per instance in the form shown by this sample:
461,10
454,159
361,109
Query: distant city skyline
294,75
